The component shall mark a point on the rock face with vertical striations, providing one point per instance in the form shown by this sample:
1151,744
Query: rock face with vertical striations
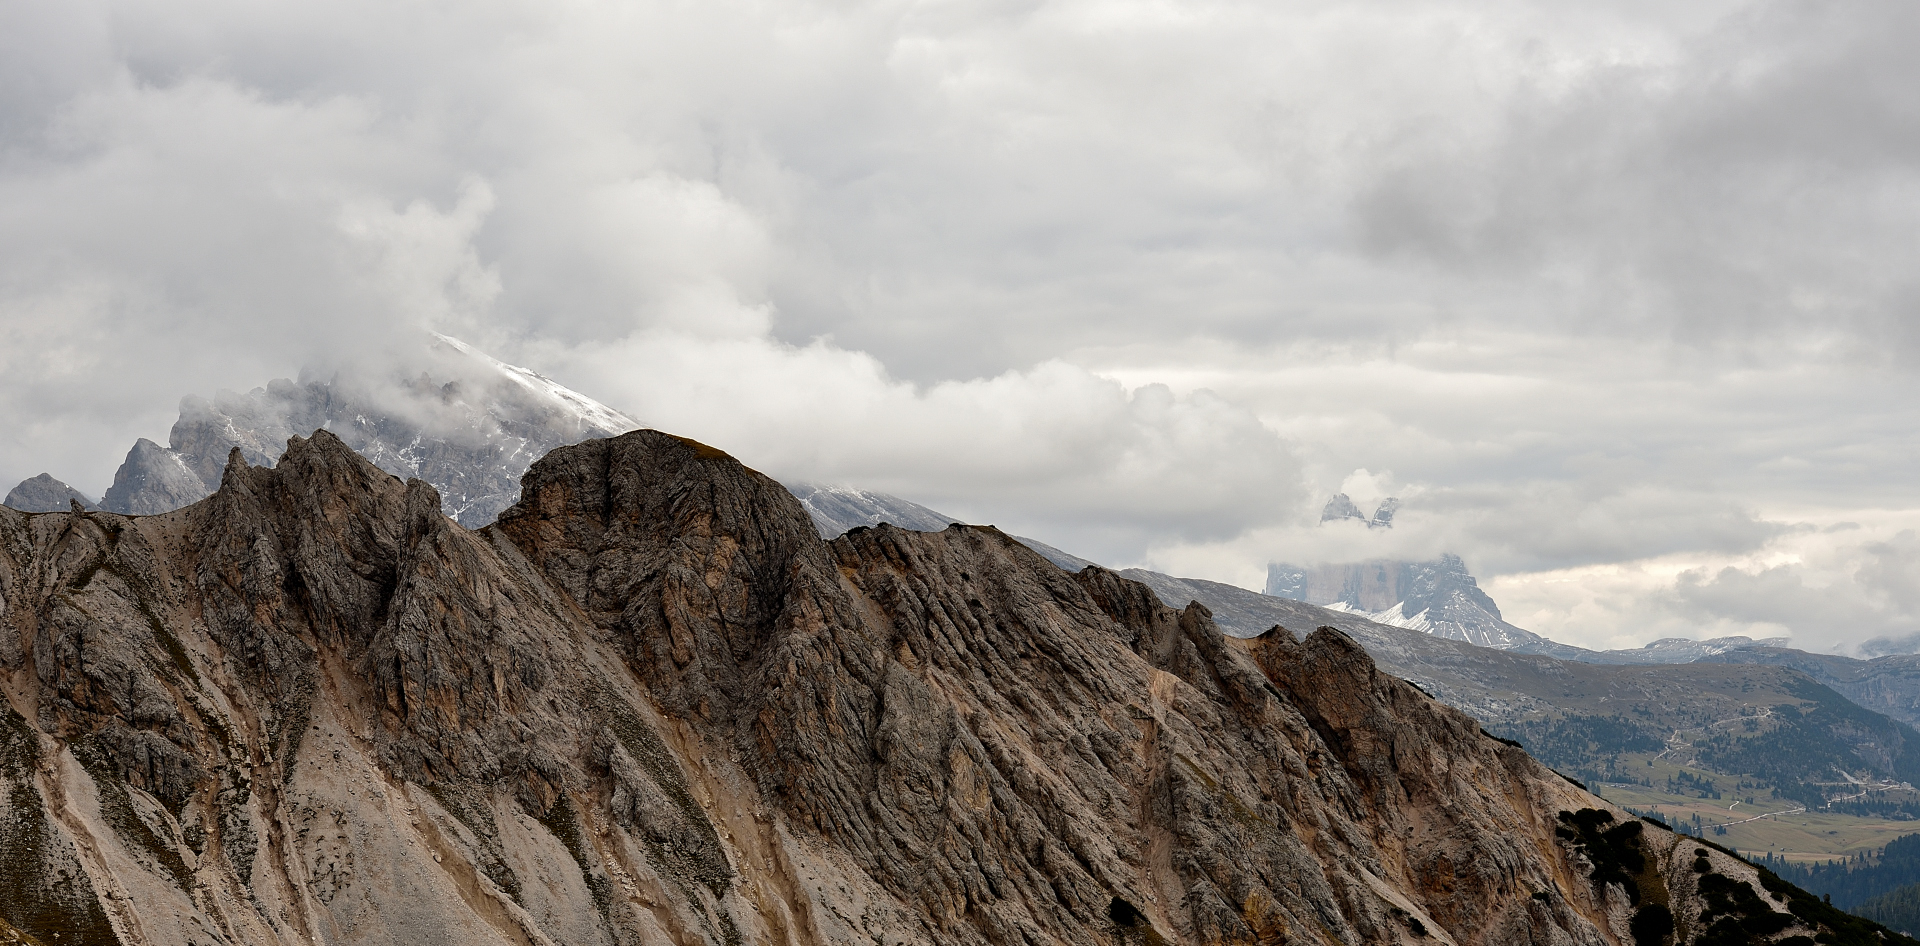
651,705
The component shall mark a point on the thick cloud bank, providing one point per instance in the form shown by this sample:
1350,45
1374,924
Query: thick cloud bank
1619,300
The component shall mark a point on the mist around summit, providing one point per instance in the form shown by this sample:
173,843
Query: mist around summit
443,410
1616,300
1075,471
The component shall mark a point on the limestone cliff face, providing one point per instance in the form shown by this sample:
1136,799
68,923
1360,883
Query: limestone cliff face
651,705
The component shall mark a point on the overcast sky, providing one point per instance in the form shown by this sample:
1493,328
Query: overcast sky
1624,303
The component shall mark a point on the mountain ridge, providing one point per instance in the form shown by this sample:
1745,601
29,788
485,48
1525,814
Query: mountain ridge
651,704
1438,596
1888,684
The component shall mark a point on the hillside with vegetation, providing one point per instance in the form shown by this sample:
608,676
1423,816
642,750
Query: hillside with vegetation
1762,758
1855,880
1897,909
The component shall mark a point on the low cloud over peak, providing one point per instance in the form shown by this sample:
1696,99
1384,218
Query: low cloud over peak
1614,288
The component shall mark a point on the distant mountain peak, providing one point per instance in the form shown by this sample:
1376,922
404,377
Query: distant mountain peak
1439,597
835,509
587,409
1341,506
43,493
155,479
460,419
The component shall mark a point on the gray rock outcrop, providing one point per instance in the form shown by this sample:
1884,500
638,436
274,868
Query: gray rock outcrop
154,479
651,705
1342,506
43,493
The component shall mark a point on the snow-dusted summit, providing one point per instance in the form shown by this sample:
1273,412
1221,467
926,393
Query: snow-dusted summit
1438,597
835,509
461,420
1441,598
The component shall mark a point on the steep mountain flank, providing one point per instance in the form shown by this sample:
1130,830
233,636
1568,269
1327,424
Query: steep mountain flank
651,705
1672,738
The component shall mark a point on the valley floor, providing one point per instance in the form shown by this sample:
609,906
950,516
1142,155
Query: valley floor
1770,825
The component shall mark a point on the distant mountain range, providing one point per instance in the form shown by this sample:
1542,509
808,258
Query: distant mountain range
471,425
1438,597
1441,598
1889,684
43,493
1440,630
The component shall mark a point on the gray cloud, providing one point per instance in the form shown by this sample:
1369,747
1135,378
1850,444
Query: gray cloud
1595,285
1874,605
1756,180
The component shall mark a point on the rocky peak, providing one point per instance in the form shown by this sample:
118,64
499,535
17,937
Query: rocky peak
1435,584
43,493
652,517
153,479
1340,507
1287,581
1439,597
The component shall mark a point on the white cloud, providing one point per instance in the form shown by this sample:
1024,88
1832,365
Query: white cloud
1835,587
1604,288
1052,450
423,260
